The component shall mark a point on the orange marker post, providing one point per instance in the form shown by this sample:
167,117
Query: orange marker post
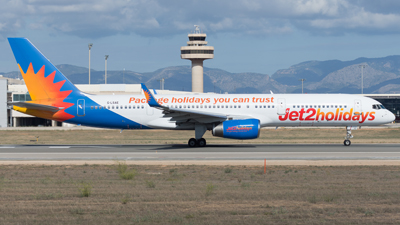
265,166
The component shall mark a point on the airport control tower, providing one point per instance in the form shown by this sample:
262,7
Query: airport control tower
197,51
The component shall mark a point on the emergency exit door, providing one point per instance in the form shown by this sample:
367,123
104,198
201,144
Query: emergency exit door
281,106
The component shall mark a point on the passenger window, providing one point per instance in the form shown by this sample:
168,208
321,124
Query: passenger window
100,107
91,107
95,107
112,107
213,106
306,106
273,106
327,106
248,106
239,106
256,107
269,106
319,106
142,107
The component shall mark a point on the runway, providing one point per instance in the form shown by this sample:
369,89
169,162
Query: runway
182,153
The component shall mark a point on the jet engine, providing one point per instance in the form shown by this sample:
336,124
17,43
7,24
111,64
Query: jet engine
238,129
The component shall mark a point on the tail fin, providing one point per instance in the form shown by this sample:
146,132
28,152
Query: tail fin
47,86
42,78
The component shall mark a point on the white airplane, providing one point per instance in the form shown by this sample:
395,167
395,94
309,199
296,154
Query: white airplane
235,116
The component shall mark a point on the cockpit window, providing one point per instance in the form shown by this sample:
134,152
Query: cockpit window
378,106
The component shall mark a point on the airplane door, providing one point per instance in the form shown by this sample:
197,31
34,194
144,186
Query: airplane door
149,110
357,106
81,107
281,106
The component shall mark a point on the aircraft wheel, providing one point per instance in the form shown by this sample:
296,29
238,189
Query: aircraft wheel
192,142
347,142
202,142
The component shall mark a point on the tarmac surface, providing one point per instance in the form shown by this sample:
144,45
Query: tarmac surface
228,154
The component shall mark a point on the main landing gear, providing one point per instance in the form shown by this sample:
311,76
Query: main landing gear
347,141
199,141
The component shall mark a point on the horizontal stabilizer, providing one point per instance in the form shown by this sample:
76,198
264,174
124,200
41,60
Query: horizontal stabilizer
29,105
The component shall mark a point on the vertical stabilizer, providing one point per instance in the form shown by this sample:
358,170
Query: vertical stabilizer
47,86
42,78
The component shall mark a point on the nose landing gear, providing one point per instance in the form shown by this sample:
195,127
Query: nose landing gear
347,141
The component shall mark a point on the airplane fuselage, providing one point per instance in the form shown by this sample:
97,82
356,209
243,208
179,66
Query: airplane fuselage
133,111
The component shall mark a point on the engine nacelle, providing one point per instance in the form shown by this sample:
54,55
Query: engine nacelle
238,129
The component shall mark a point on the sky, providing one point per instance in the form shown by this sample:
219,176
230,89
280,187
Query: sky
259,36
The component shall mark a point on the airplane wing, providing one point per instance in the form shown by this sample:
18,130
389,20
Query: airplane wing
36,106
183,115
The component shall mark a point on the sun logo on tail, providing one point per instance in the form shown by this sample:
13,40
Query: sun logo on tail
44,91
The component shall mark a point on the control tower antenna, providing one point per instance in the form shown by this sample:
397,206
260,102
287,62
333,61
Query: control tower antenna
197,51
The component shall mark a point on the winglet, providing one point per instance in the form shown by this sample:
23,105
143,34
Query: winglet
149,96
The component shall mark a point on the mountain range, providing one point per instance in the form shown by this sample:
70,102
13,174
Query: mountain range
380,76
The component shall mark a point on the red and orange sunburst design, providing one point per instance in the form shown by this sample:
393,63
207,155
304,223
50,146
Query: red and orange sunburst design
44,91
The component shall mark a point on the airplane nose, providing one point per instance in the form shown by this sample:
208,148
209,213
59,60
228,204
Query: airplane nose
391,116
